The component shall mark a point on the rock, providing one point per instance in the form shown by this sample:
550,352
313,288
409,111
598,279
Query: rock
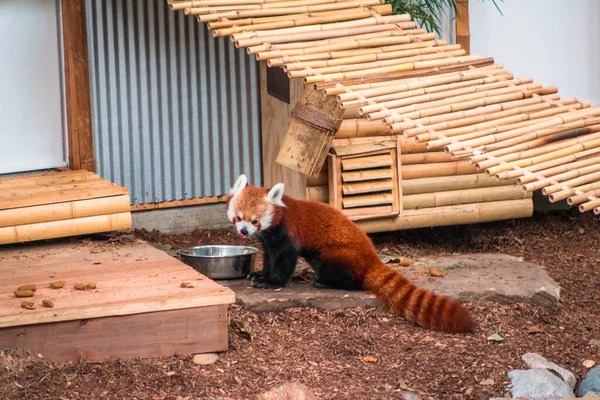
492,277
538,383
591,382
205,358
288,391
533,360
409,396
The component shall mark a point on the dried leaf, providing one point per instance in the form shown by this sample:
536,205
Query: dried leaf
487,382
241,329
427,339
495,337
589,363
535,329
370,359
435,272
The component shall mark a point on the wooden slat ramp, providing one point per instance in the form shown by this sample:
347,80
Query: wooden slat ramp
457,116
137,309
59,204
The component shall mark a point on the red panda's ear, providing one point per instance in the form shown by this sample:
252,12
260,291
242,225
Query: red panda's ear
275,195
241,183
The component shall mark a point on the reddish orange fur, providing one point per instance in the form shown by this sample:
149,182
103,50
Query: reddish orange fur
319,227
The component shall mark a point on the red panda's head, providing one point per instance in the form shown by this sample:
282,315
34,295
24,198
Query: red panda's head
253,209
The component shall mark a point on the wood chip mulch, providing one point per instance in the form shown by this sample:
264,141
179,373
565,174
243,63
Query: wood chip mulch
364,354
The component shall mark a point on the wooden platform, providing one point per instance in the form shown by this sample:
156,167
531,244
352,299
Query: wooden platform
137,310
59,204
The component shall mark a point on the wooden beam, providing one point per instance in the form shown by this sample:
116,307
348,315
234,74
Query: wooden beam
77,86
179,203
152,334
463,33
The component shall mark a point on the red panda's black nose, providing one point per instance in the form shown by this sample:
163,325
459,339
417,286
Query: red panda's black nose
244,231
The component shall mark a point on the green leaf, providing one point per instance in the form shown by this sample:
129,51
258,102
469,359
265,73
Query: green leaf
496,337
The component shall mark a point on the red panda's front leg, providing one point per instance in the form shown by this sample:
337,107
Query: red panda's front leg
279,260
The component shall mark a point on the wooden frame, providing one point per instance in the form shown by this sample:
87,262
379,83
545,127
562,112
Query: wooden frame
463,32
77,86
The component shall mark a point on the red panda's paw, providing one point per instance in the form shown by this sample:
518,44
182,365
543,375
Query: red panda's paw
266,285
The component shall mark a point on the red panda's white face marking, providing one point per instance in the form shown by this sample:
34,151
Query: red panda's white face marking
250,210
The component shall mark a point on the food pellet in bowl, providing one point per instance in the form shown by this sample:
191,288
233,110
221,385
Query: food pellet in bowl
90,286
187,284
79,286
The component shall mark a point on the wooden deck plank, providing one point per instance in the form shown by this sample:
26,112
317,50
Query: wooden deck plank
154,334
59,196
57,176
131,278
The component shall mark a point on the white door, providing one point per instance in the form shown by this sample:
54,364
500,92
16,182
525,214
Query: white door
32,123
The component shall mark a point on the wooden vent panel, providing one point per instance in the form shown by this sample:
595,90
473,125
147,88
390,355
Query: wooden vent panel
364,180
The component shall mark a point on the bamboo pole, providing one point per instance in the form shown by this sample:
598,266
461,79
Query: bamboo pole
563,194
424,90
544,157
202,10
64,228
294,49
435,98
589,206
384,63
373,55
562,119
425,158
305,19
327,6
451,215
333,87
415,171
579,180
466,105
513,153
302,37
464,196
275,60
399,127
353,90
571,171
391,69
581,198
266,35
480,122
442,184
62,211
525,172
404,106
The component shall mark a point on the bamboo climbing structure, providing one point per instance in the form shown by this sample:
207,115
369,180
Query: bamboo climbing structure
60,204
420,133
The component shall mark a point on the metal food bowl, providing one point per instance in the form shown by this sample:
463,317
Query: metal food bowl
220,262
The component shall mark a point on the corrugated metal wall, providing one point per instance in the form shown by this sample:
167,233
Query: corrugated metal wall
176,113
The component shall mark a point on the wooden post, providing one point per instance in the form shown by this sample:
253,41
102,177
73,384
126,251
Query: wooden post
77,86
463,33
275,118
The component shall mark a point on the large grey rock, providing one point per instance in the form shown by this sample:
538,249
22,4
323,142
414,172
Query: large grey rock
493,277
591,382
533,360
537,384
468,277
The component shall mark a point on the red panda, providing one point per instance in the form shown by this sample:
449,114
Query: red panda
341,255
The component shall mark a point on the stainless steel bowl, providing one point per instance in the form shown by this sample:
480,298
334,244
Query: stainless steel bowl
220,262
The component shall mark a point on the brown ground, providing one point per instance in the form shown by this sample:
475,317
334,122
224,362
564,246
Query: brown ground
327,350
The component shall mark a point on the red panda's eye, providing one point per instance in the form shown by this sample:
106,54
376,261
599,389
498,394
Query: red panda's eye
254,222
238,218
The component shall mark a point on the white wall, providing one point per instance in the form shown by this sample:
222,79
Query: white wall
32,130
556,42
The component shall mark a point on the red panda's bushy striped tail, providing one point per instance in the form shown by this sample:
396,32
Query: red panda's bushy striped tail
416,304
